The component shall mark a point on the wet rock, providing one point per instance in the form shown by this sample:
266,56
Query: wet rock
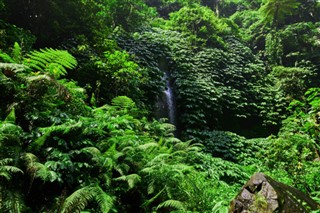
262,194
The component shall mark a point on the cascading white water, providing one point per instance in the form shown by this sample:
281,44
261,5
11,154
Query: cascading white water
169,100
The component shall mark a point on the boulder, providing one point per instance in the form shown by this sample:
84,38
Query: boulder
262,194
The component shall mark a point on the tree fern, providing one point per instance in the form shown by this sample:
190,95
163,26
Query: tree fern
54,62
275,11
78,201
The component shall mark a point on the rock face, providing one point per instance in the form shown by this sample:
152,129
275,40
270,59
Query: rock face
262,194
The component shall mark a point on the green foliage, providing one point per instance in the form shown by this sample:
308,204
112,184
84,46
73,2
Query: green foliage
175,204
58,154
248,22
292,156
53,62
12,202
226,145
293,81
131,14
122,75
6,170
274,11
199,24
78,201
11,33
213,84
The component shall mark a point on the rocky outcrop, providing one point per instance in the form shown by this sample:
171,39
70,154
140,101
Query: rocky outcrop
262,194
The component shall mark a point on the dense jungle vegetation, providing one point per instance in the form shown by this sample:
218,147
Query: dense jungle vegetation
79,86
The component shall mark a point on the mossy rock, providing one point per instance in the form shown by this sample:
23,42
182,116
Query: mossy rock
262,194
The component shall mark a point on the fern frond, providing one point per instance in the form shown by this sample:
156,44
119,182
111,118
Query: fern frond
6,58
5,170
105,201
123,102
16,53
54,62
11,117
39,77
147,146
13,67
78,201
132,179
219,208
159,158
44,173
91,150
64,128
9,128
30,160
148,202
172,204
11,201
151,187
39,142
39,170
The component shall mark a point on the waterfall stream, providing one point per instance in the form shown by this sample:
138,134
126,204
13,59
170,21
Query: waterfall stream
169,100
165,106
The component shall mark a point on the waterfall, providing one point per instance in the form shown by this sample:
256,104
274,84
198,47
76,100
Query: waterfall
166,104
169,100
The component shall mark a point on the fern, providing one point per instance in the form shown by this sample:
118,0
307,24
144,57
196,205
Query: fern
171,204
11,201
38,170
220,208
54,62
5,170
78,201
11,117
16,53
131,179
6,57
13,67
64,128
124,104
44,173
9,128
